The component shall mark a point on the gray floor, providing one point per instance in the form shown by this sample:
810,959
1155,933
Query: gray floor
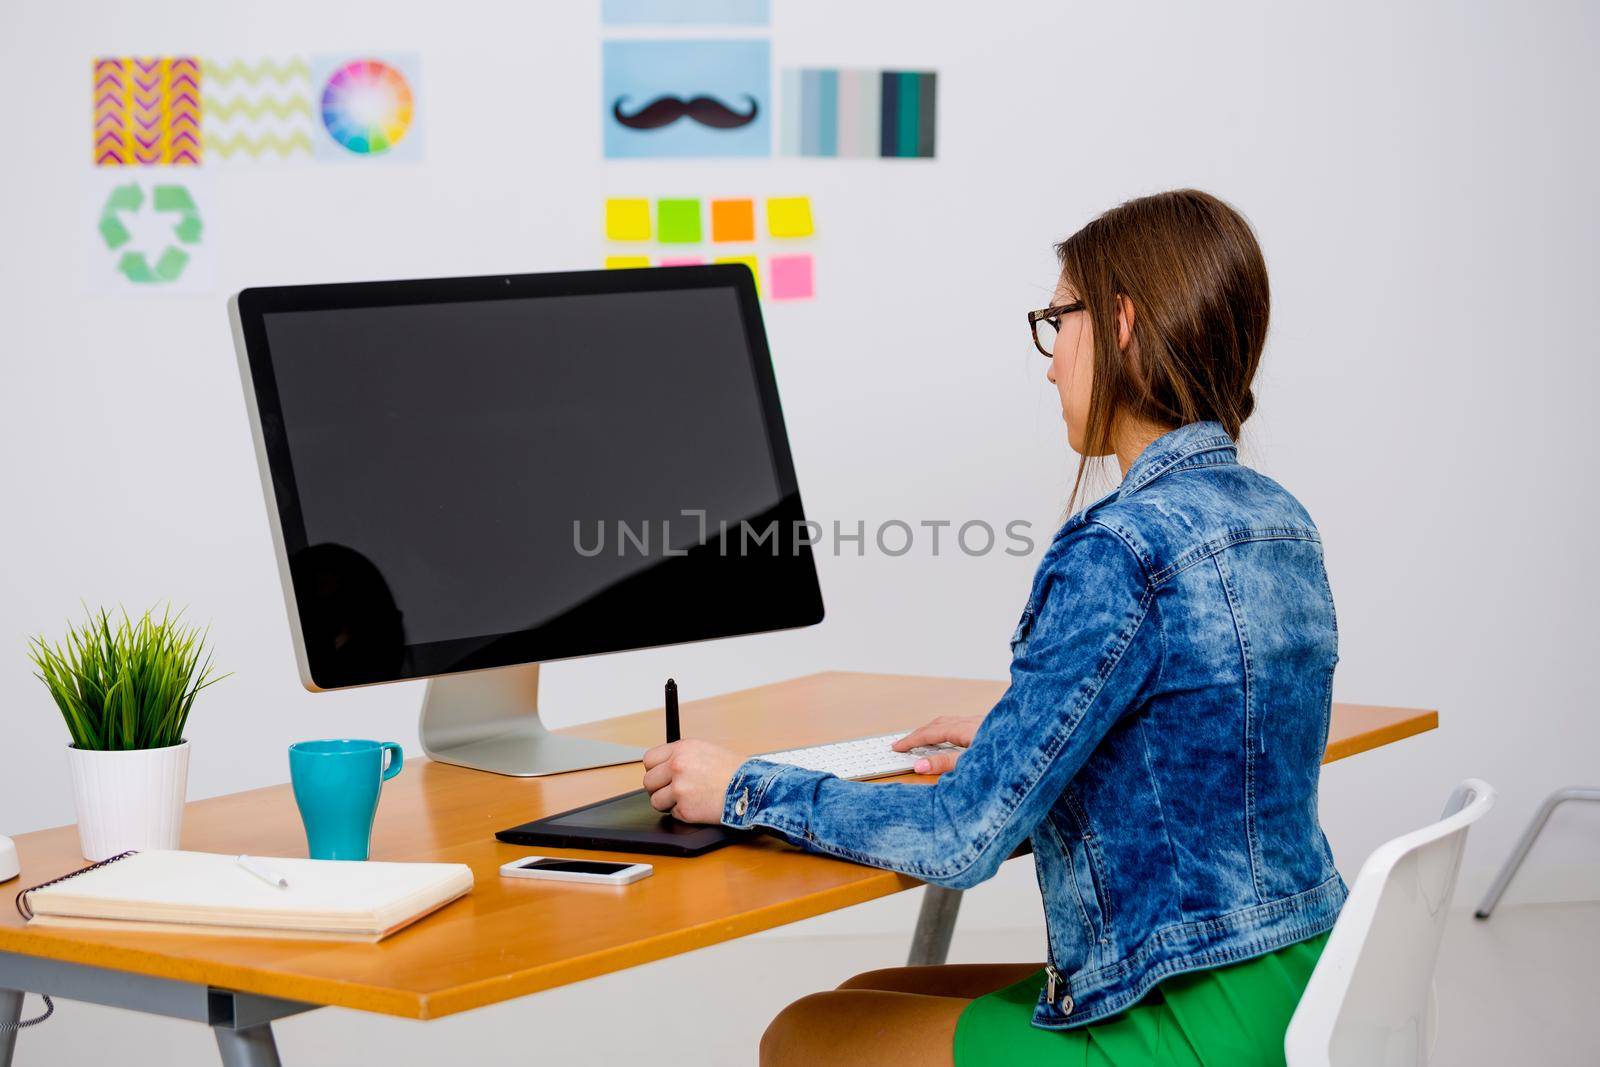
1518,989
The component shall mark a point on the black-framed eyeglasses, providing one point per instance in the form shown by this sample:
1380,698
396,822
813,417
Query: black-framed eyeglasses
1045,323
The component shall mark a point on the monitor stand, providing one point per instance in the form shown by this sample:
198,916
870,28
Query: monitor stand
489,721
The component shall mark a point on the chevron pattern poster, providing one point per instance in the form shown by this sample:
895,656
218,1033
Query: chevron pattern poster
146,111
257,110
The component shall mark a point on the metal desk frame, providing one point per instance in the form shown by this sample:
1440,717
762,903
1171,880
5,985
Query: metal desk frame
242,1022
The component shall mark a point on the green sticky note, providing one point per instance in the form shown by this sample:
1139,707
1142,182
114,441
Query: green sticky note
678,222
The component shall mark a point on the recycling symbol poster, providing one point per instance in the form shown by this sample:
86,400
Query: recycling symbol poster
150,232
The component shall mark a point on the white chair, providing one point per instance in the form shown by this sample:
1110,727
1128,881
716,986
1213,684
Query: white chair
1370,999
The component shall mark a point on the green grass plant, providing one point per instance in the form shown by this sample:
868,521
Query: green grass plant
124,684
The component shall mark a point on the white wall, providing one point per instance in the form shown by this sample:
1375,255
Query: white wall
1422,178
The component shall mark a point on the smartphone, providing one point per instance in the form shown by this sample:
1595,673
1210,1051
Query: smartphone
559,869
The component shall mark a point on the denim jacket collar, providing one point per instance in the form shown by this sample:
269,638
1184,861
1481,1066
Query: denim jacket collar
1199,444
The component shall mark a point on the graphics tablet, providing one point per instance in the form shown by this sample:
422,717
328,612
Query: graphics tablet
625,823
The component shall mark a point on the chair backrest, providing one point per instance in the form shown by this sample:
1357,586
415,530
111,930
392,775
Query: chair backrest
1370,998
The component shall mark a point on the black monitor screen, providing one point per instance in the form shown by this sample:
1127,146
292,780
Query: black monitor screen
477,472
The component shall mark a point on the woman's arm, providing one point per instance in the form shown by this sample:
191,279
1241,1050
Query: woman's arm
1089,653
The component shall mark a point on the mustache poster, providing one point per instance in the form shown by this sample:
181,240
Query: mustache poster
679,98
665,110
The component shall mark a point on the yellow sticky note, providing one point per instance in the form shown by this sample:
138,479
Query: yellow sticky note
789,216
626,262
628,220
749,261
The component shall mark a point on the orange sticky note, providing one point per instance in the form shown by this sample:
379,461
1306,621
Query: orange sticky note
733,220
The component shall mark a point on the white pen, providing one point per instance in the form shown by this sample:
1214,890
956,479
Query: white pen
263,872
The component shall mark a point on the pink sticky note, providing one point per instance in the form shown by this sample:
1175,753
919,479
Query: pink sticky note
682,261
791,278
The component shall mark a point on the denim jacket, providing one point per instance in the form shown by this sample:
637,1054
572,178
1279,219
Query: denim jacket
1159,743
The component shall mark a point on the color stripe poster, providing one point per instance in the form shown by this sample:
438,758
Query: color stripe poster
861,114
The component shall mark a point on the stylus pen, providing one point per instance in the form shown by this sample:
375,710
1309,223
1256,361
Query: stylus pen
262,871
672,711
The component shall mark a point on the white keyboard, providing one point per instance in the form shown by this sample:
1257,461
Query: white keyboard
865,757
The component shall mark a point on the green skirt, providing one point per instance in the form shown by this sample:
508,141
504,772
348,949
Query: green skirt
1233,1016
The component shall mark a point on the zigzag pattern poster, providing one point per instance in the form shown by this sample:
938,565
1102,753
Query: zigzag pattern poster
146,111
258,110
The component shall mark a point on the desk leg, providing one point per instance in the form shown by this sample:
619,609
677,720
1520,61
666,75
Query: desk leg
936,923
10,1015
253,1047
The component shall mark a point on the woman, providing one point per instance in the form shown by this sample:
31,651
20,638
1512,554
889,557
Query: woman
1160,741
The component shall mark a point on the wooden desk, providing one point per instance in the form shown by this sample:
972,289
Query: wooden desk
509,937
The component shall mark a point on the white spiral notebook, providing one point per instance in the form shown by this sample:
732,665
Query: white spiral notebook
203,892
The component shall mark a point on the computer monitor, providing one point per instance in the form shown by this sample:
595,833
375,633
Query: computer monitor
466,477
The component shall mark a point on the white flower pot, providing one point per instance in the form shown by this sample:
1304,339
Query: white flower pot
128,800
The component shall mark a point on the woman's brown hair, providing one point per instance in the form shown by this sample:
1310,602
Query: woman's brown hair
1192,269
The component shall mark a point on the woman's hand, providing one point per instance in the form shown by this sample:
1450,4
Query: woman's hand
956,729
689,779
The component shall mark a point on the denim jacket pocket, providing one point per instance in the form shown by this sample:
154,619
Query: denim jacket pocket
1093,858
1085,878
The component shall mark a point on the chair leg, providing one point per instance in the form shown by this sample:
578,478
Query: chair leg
936,923
1524,843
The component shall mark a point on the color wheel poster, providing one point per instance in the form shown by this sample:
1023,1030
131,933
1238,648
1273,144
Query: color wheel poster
369,106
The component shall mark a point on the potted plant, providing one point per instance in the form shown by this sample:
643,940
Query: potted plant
125,689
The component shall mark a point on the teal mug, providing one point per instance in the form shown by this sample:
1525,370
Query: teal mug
336,785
